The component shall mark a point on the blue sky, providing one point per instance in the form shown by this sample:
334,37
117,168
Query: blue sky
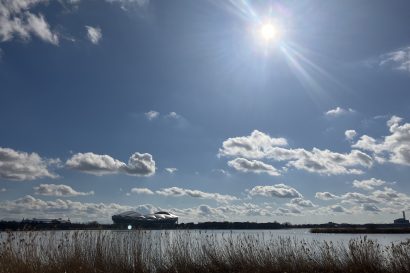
215,110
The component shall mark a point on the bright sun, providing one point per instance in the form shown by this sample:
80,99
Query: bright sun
269,32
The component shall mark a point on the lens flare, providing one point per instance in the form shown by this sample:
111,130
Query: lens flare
269,32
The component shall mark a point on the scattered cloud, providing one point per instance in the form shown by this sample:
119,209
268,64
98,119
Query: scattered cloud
221,172
259,145
370,207
3,190
140,3
94,34
22,166
171,170
325,196
397,59
302,202
173,115
142,191
394,148
17,20
278,190
58,190
138,164
350,134
255,166
338,208
256,145
178,192
29,207
338,111
368,184
151,115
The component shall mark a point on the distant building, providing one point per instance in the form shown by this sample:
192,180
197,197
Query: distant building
402,221
45,221
160,219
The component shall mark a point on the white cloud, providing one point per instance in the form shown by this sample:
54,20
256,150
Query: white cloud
350,134
58,190
16,19
394,148
278,190
173,115
368,184
326,196
358,198
255,166
3,190
398,59
138,164
370,207
302,202
140,3
178,192
338,208
94,34
29,207
259,145
141,191
171,170
338,111
150,115
22,166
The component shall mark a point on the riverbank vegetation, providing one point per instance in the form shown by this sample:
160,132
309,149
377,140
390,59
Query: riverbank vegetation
186,251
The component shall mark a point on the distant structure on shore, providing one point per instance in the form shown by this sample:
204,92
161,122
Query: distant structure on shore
45,221
133,219
401,221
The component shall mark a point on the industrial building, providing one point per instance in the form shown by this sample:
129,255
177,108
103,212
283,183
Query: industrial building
401,221
133,219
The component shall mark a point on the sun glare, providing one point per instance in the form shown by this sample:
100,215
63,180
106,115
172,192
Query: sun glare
269,32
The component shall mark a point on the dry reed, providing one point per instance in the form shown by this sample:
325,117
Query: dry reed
184,251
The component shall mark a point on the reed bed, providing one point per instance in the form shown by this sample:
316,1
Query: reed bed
187,251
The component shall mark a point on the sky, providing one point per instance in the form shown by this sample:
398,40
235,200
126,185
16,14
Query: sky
288,111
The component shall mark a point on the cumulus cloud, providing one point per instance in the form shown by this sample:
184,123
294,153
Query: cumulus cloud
22,166
142,191
338,111
178,192
278,190
370,207
397,59
260,146
350,134
151,115
171,170
29,207
138,164
382,200
394,148
359,198
302,202
255,166
173,115
140,3
17,20
94,34
256,145
325,196
338,208
368,184
58,190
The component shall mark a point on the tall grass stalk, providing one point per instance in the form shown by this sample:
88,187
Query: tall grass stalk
185,251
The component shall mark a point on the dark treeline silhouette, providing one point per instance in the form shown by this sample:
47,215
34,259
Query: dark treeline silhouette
315,228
